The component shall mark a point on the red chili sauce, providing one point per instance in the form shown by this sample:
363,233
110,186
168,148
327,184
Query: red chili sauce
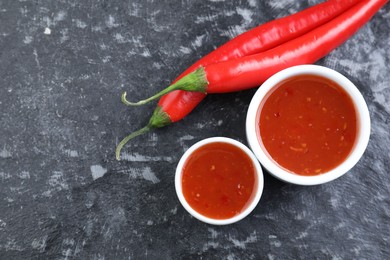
308,125
218,180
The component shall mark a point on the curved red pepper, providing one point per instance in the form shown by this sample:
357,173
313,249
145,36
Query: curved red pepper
250,71
180,103
177,104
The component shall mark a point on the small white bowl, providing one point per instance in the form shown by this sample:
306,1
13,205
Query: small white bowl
363,125
258,189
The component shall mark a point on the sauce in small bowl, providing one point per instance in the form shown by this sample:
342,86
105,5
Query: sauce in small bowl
308,125
219,181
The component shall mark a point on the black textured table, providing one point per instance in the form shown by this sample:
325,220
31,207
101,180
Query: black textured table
63,67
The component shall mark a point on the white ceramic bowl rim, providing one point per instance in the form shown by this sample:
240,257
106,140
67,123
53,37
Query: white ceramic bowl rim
258,188
363,117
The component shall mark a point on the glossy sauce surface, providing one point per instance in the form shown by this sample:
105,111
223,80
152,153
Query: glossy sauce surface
218,180
308,124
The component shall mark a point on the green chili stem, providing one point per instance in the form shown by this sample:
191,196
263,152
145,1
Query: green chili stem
195,81
157,120
128,138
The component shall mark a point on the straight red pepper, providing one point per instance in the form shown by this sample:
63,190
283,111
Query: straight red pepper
177,104
250,71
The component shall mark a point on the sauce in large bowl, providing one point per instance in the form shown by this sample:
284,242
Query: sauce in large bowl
308,124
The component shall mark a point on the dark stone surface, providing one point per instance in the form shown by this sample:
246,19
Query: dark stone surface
63,66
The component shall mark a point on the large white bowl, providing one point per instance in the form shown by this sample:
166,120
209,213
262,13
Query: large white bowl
363,125
258,189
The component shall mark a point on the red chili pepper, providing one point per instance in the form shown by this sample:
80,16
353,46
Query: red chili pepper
250,71
177,104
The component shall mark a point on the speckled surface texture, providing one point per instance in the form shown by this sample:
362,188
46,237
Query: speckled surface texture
63,66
